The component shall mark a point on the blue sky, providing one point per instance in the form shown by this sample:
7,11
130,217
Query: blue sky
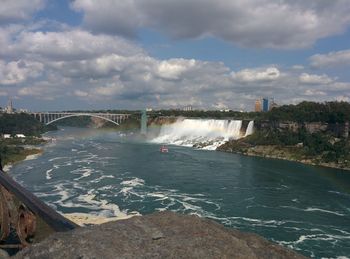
84,54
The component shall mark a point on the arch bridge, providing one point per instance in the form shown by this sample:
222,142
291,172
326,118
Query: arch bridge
51,117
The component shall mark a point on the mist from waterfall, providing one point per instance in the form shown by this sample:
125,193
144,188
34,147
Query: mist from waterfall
201,133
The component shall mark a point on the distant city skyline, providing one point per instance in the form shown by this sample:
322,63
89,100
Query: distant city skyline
108,54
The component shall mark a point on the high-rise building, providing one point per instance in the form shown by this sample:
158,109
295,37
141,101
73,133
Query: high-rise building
258,105
265,106
187,108
9,108
272,104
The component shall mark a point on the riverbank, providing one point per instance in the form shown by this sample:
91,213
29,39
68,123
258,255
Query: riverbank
290,153
15,150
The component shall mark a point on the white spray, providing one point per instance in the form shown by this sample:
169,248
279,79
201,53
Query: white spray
207,133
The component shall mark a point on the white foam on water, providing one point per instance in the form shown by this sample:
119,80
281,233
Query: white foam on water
83,172
98,207
133,182
7,167
325,211
98,179
103,207
32,157
311,209
83,219
48,174
58,158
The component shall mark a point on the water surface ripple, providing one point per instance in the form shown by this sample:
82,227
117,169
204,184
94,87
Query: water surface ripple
104,173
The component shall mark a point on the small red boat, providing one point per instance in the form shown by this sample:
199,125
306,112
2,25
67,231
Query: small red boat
164,149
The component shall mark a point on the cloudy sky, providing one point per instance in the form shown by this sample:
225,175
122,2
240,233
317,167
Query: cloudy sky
105,54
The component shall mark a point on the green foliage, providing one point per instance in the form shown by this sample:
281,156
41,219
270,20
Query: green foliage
273,137
205,114
79,122
21,123
12,154
330,112
316,145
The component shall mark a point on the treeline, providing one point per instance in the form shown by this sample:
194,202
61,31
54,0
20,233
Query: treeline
320,147
327,147
21,123
206,114
330,112
79,122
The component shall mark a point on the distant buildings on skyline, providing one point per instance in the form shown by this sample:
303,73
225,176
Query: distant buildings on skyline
10,109
264,104
257,105
188,108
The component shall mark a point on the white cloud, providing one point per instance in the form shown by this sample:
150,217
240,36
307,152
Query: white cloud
73,66
342,98
310,92
19,71
80,93
252,23
109,90
173,68
314,79
71,44
256,75
18,10
335,58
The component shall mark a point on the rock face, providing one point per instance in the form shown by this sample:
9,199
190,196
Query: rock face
159,235
163,120
335,129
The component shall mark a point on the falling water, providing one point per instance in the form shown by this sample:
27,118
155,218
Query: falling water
250,129
203,133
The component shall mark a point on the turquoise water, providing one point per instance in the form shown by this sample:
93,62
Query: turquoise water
107,173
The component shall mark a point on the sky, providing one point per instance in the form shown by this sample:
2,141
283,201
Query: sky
136,54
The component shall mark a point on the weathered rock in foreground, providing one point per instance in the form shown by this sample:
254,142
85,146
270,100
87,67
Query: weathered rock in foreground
159,235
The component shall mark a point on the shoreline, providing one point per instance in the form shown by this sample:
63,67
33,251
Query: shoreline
25,154
252,153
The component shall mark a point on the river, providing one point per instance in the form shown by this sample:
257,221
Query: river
109,173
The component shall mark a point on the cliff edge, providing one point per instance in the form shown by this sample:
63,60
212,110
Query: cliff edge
159,235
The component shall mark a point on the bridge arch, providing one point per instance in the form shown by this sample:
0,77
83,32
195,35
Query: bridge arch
82,114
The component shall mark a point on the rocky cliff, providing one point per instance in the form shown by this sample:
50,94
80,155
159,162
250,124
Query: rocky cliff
335,129
159,235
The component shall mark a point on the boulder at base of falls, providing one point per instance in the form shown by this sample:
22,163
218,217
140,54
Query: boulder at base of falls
159,235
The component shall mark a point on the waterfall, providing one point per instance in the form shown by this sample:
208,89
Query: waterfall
250,129
203,133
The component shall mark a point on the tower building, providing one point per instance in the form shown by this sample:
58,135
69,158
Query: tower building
265,104
258,105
